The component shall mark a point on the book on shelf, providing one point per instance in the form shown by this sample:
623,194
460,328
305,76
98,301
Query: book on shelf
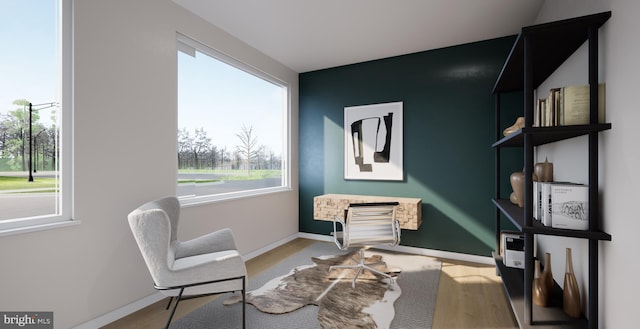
575,105
570,206
568,106
563,205
537,200
512,248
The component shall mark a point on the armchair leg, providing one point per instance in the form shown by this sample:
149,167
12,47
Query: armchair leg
175,306
244,304
170,300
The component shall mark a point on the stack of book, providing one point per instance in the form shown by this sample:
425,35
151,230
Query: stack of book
568,106
561,205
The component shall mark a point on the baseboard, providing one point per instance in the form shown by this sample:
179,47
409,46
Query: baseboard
121,312
146,301
269,247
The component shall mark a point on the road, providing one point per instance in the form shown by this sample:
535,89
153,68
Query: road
20,205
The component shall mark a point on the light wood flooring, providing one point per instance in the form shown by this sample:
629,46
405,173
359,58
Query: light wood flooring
469,296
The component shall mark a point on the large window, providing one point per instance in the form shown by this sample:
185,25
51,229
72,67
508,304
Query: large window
233,127
35,62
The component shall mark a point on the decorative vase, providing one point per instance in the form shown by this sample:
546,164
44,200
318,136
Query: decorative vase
539,293
517,125
544,171
571,292
547,275
517,184
513,198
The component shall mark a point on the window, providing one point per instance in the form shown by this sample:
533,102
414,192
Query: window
35,157
233,127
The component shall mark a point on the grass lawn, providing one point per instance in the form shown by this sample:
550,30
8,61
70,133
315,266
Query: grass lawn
230,175
21,183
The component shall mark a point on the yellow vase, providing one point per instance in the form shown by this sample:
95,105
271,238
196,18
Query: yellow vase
539,288
571,292
547,275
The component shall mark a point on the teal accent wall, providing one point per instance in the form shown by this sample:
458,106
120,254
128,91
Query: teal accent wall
448,132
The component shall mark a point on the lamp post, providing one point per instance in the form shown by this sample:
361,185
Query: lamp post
31,109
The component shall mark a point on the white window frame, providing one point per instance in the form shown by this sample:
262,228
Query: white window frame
188,45
65,69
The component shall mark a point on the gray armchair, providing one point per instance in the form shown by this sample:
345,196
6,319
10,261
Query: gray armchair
364,225
203,266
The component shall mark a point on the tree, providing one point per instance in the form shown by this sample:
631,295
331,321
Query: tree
248,149
201,146
185,144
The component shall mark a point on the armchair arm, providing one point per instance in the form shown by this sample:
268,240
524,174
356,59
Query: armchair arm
212,242
203,268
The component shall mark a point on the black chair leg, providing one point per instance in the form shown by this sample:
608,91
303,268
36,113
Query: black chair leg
173,311
244,304
170,300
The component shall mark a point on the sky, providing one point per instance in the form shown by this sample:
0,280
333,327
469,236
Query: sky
221,99
29,53
212,95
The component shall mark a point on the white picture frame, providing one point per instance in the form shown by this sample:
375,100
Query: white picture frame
373,145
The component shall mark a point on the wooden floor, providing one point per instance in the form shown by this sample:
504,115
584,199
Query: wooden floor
469,296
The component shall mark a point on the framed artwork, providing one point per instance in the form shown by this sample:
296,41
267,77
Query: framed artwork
373,142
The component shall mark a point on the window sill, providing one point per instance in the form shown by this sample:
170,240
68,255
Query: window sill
35,228
206,199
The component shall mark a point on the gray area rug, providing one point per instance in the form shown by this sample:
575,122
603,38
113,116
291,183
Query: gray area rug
413,309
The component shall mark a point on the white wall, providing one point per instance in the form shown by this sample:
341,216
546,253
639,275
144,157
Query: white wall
125,154
619,157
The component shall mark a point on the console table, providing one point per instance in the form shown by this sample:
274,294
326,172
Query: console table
408,212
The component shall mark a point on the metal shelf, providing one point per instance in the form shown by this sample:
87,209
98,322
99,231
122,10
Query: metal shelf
545,135
516,216
551,43
543,317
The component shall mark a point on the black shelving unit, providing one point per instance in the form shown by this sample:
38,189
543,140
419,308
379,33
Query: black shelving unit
538,51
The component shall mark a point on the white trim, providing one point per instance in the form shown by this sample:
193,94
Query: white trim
190,200
40,227
154,298
62,215
190,46
269,247
121,312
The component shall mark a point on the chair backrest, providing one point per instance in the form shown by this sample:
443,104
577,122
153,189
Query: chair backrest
371,224
171,206
154,229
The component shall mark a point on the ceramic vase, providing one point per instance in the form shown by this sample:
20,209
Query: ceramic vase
547,275
517,184
571,292
544,171
539,293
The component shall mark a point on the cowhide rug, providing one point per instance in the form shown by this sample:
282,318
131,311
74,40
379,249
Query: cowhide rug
368,305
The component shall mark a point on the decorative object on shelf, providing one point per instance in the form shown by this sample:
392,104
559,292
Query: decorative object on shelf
517,125
539,292
547,275
513,198
571,292
517,184
543,171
